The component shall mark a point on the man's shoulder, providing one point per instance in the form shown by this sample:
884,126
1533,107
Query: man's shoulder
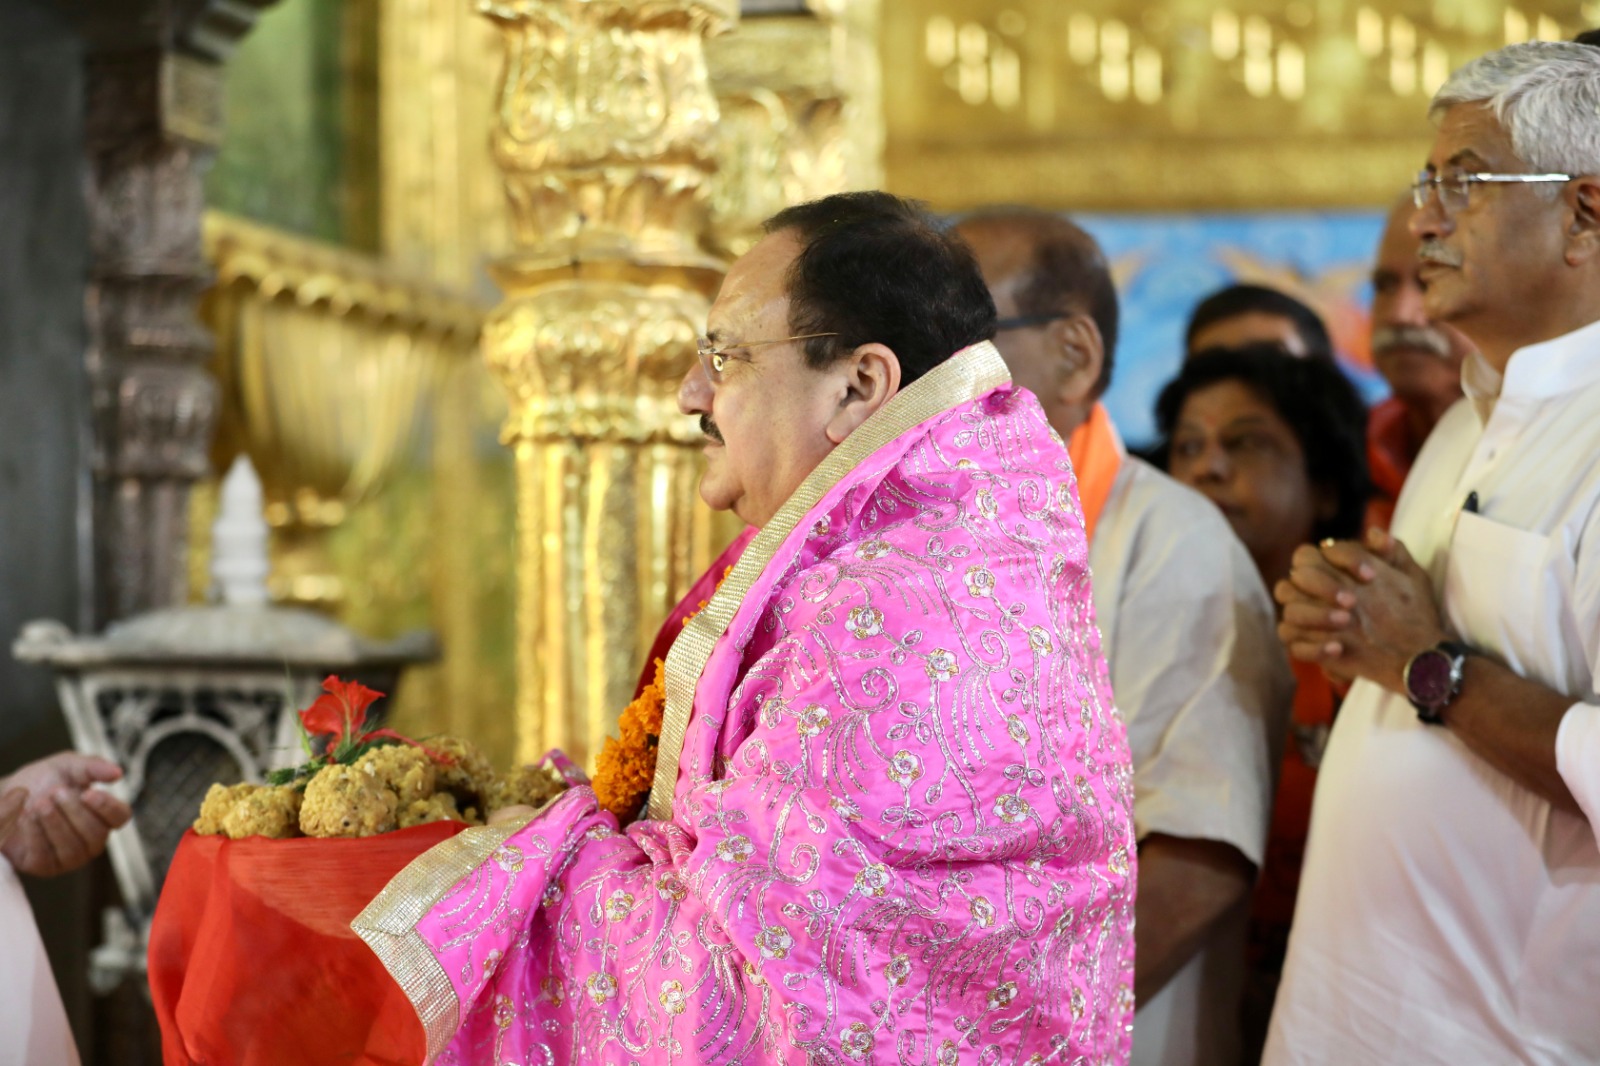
1155,508
1160,537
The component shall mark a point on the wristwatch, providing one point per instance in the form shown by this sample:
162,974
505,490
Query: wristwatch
1433,678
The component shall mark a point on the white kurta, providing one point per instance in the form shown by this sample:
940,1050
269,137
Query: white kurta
1578,759
1446,913
33,1024
1204,687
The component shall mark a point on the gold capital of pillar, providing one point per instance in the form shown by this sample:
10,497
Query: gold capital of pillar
603,129
589,361
603,122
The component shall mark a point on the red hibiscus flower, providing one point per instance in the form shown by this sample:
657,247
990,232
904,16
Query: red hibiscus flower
339,714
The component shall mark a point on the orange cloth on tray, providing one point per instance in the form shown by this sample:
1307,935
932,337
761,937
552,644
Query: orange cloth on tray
253,962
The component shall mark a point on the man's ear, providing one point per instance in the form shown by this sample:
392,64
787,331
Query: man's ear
1583,238
869,378
1075,340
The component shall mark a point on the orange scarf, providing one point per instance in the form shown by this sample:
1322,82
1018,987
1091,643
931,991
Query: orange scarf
1389,458
1096,453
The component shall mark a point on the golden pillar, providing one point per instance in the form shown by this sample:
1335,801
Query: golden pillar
442,214
802,112
604,126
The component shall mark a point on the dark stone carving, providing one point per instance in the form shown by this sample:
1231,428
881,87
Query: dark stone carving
152,121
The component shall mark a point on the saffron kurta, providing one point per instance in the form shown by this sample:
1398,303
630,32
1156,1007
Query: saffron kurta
891,823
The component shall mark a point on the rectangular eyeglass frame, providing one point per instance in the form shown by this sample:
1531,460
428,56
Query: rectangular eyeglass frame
713,356
1426,181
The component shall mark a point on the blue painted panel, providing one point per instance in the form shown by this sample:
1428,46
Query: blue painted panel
1166,263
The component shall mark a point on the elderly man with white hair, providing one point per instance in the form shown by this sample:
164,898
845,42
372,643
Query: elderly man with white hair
1449,910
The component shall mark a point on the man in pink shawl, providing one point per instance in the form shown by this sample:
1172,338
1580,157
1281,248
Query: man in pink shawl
891,818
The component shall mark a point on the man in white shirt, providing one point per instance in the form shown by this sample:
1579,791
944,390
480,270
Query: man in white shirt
1189,636
1449,907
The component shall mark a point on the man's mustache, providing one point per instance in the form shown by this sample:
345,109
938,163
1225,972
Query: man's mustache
709,428
1433,250
1386,339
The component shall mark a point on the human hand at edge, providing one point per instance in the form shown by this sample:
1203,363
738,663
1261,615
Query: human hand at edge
66,820
510,814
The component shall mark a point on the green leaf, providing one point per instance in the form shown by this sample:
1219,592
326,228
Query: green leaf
296,775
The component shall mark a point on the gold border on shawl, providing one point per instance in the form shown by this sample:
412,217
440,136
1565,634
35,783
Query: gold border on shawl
389,925
960,379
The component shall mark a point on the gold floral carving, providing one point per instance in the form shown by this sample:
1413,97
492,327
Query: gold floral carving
802,114
596,361
603,129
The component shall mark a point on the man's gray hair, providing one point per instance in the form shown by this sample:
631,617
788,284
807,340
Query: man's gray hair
1545,94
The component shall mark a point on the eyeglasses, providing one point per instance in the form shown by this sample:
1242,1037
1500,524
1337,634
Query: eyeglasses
1453,188
714,356
1028,321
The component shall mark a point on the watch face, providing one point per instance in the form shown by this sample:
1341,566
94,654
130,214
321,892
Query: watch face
1428,680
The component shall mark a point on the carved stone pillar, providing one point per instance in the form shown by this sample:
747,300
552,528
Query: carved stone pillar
154,117
604,130
154,402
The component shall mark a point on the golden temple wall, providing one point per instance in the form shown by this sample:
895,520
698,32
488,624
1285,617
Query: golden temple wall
1115,105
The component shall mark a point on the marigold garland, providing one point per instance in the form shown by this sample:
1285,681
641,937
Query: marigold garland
626,765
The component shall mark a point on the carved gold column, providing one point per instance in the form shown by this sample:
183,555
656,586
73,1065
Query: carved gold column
799,88
604,122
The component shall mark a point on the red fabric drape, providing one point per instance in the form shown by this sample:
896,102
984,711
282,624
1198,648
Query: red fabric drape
697,596
252,961
1390,454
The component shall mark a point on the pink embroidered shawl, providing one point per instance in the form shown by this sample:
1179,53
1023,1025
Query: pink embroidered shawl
899,830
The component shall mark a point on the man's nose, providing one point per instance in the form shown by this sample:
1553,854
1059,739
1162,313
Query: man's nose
1407,309
694,392
1212,464
1430,220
